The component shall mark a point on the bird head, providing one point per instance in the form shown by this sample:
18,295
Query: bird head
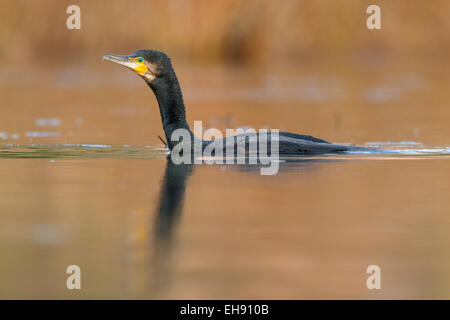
149,64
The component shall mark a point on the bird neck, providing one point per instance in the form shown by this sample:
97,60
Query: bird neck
171,106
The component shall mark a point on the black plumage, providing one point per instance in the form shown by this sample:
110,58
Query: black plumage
161,78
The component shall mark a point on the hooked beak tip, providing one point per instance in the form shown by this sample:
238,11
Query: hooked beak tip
112,57
126,61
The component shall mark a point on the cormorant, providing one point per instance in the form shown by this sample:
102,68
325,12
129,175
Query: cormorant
156,69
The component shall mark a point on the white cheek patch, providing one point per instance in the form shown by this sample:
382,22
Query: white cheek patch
149,76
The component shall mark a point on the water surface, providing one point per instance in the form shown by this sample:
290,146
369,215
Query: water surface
85,181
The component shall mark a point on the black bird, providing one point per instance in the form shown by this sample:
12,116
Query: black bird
156,69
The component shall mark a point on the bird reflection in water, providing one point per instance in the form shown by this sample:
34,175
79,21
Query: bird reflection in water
168,214
170,209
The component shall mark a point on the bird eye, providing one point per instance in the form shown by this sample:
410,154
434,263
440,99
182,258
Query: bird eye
140,60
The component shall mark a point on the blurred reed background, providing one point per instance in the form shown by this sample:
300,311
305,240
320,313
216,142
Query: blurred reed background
257,32
305,66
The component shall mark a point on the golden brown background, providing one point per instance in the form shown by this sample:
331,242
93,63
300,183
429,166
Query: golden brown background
303,66
235,31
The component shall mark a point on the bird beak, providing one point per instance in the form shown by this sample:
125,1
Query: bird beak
127,61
